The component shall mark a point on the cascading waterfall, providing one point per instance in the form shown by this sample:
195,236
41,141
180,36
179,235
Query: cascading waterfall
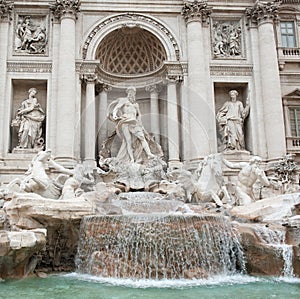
158,247
276,239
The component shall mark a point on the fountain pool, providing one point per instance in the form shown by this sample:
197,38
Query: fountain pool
85,286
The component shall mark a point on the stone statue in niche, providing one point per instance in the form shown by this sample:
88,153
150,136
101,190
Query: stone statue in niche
227,39
136,141
250,173
231,118
29,118
138,165
30,36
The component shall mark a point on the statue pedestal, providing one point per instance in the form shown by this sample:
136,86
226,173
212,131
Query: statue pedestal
235,155
25,151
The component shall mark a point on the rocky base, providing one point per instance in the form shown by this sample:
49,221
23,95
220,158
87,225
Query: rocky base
27,218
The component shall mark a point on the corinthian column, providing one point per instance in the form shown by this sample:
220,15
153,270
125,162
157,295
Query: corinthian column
5,11
154,110
66,11
102,121
263,15
173,122
202,118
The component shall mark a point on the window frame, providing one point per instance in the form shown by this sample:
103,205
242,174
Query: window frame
287,35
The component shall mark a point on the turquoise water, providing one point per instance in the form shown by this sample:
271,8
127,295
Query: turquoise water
76,286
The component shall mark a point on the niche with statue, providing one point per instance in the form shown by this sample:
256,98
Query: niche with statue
28,116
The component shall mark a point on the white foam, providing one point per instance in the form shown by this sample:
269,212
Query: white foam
169,283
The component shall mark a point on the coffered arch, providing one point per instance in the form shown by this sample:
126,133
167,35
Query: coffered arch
131,20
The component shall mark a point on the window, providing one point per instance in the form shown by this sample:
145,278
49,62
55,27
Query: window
295,121
288,37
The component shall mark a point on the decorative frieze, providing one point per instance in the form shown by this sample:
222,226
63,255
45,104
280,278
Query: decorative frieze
241,71
31,36
29,67
262,11
227,39
65,8
134,20
174,72
6,8
196,11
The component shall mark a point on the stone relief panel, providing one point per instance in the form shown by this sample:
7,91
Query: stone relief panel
31,35
227,39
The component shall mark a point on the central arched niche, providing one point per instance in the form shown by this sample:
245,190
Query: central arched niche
130,52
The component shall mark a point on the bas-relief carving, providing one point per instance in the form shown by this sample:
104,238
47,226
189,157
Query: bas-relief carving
231,118
31,36
227,39
28,121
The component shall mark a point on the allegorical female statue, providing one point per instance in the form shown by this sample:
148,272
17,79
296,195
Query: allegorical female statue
29,120
231,118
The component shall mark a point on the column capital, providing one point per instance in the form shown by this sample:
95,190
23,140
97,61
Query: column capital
196,10
262,12
174,72
102,87
154,88
89,78
65,8
174,79
6,8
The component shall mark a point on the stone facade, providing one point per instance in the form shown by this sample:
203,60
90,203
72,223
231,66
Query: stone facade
183,57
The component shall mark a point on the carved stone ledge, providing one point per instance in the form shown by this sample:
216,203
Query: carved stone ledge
65,8
262,12
6,8
196,11
216,70
29,67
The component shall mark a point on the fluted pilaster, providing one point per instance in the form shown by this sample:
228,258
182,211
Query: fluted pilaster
6,8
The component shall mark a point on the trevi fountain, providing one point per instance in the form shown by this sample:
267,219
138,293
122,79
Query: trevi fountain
152,209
